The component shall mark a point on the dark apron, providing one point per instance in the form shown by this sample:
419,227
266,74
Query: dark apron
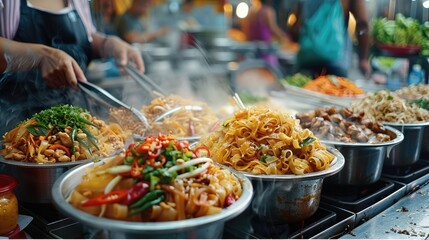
24,93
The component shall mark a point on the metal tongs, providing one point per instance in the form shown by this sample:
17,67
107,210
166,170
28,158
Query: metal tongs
103,96
147,83
173,110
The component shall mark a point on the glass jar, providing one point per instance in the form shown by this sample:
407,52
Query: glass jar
8,204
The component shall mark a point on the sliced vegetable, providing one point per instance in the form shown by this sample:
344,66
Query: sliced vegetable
136,169
307,141
147,205
202,151
147,197
62,147
229,200
111,197
136,192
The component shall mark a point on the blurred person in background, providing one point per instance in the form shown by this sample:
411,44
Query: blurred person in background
45,47
260,25
133,25
104,14
306,10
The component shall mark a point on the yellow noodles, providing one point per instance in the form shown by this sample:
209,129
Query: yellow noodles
385,106
261,141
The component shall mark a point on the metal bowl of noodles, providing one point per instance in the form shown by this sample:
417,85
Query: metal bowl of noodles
364,161
290,198
408,151
210,226
35,179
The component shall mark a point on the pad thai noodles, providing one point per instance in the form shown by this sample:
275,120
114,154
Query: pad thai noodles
62,133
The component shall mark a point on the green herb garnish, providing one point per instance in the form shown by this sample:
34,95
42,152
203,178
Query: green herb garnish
60,117
264,158
307,141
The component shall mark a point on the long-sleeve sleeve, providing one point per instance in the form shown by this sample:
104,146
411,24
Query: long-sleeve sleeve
9,18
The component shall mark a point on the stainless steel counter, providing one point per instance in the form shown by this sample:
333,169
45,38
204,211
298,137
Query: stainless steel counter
406,219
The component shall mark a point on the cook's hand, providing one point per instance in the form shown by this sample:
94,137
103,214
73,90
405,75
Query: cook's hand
59,69
365,68
123,52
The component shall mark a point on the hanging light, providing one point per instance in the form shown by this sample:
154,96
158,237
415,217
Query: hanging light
242,10
426,4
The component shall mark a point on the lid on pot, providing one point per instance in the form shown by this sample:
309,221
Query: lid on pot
7,183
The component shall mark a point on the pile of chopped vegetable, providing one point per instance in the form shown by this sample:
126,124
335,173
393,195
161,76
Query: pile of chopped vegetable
297,79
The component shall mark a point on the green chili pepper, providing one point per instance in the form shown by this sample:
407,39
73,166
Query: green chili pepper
147,197
91,137
129,160
147,205
153,181
85,144
73,138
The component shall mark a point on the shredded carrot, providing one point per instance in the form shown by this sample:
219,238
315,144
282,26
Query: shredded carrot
62,147
334,85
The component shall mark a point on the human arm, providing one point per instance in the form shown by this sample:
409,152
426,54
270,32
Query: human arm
143,37
131,29
106,46
270,18
359,10
57,67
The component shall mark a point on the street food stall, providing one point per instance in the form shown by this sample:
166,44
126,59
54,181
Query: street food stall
212,142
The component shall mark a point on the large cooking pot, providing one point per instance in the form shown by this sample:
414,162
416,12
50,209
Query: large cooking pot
408,151
364,161
290,198
203,227
36,180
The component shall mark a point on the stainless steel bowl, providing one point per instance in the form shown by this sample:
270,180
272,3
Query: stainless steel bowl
35,180
364,161
202,227
290,198
425,142
408,151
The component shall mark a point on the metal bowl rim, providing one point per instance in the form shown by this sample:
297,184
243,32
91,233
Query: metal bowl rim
339,162
399,138
418,124
149,227
138,137
50,165
44,165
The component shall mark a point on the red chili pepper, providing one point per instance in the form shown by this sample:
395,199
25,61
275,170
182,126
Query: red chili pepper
131,146
143,148
165,143
181,145
229,200
111,197
155,153
136,170
136,192
157,163
202,151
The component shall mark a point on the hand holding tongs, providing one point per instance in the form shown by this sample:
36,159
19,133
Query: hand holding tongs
103,96
144,81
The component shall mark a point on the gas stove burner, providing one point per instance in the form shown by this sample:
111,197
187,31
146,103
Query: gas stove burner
252,226
356,198
407,174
